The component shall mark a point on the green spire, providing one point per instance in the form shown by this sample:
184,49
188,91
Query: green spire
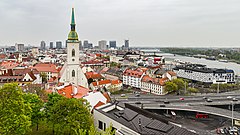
73,18
73,36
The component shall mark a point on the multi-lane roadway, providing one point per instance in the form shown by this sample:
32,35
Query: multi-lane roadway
187,103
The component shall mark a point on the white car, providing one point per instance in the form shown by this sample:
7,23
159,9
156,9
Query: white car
123,95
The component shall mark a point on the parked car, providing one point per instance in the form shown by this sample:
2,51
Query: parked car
234,99
162,105
181,98
123,95
209,100
166,102
204,97
138,102
137,95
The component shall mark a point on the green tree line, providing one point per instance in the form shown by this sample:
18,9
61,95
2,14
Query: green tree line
26,113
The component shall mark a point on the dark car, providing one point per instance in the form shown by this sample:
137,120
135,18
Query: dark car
166,102
138,102
162,105
137,95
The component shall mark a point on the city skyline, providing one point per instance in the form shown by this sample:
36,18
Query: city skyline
158,23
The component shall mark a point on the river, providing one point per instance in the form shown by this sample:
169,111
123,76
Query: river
210,63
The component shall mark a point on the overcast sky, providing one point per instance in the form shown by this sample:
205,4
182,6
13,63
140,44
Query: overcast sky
161,23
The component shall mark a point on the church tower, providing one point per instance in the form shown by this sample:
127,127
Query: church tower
71,71
73,44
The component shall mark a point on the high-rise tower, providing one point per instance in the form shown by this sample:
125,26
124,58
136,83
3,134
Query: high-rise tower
71,71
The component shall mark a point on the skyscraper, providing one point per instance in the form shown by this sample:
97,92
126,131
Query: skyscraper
43,45
19,47
102,44
51,45
85,44
58,45
126,43
112,44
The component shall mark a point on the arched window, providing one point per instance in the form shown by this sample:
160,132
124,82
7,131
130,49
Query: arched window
73,73
73,53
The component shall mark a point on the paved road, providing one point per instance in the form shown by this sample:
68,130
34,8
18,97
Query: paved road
190,103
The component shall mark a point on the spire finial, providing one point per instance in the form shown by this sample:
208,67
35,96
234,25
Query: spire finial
72,36
73,18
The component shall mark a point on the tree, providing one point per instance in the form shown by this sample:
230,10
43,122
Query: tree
192,90
36,89
170,87
94,131
36,105
179,82
44,77
15,115
68,115
114,64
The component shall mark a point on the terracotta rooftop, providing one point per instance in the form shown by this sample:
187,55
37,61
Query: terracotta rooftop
46,67
113,82
71,91
93,75
103,82
137,73
172,73
9,65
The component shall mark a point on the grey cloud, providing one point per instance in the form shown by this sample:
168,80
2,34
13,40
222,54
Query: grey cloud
145,22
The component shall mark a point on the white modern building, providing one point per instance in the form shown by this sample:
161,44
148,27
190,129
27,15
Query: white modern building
201,73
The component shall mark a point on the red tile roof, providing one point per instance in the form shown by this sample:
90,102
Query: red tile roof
93,75
172,73
46,67
82,91
103,82
9,65
100,103
163,81
68,91
114,82
3,56
106,95
137,73
158,81
92,62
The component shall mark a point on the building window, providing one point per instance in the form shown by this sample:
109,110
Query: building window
73,53
100,125
104,127
73,73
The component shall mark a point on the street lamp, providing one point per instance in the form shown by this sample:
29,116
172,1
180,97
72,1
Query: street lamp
232,112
